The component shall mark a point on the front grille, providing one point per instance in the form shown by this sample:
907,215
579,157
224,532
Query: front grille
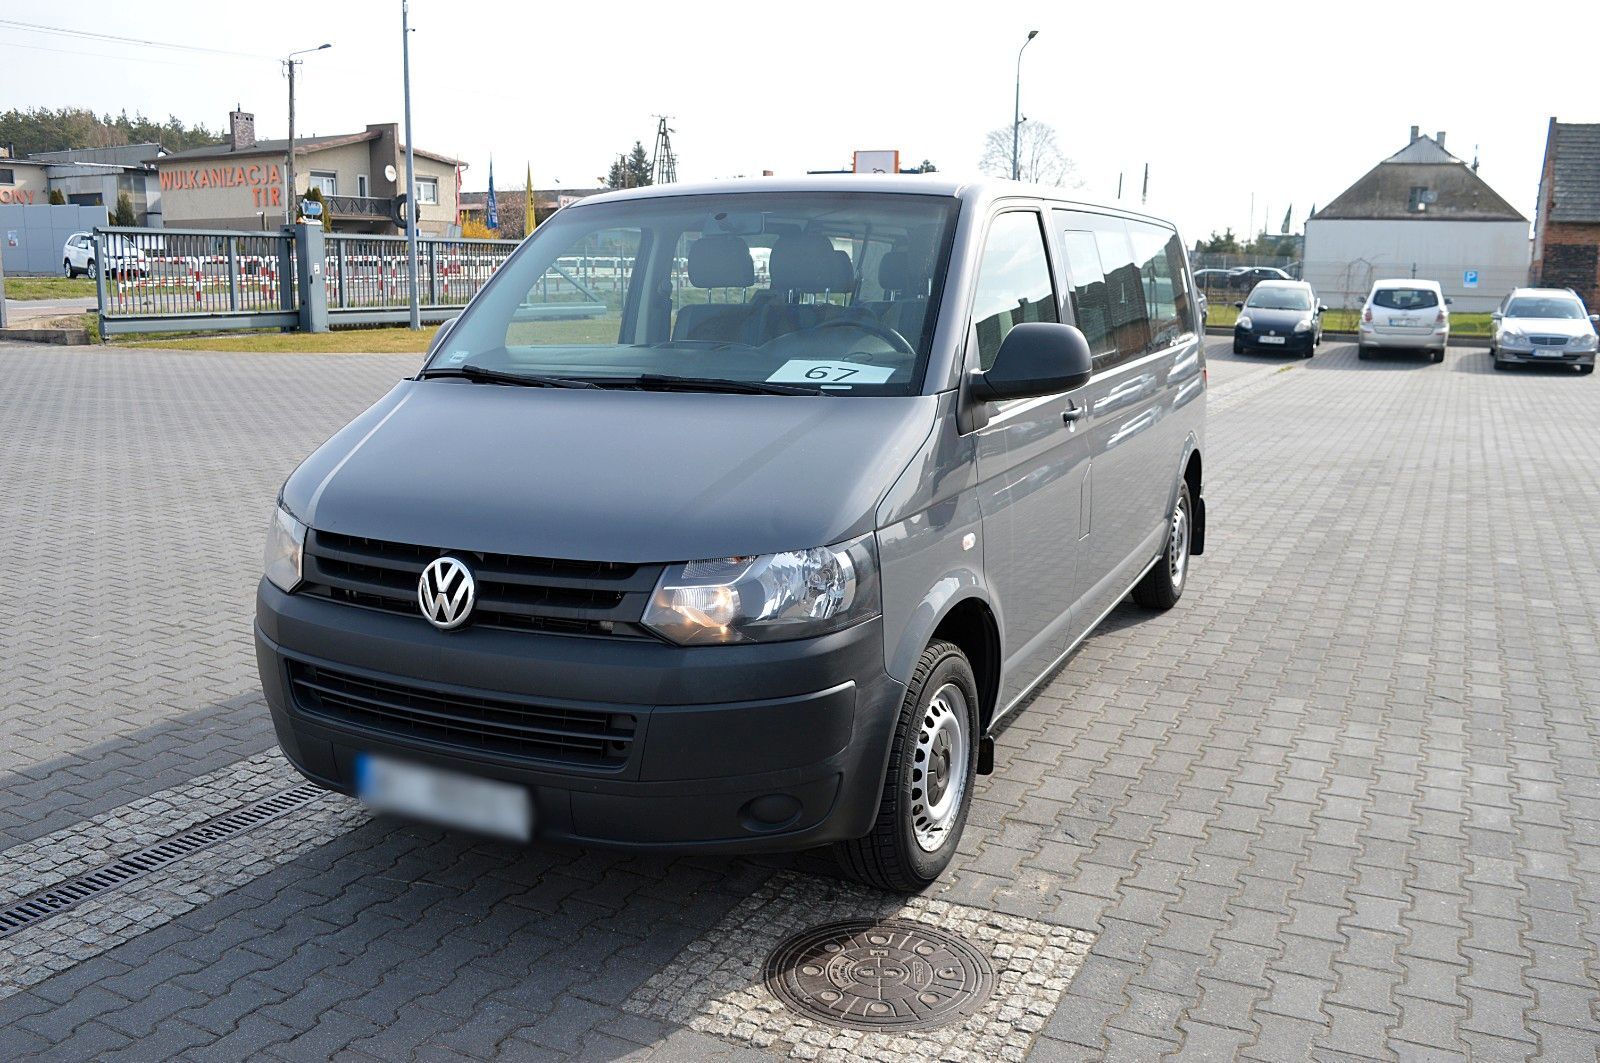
494,724
1547,341
598,598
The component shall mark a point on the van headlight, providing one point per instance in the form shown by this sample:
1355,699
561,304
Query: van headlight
286,542
794,594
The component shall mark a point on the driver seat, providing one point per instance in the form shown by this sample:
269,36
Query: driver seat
806,264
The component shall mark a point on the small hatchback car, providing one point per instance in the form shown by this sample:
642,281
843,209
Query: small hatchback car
1409,315
662,552
1279,316
1543,326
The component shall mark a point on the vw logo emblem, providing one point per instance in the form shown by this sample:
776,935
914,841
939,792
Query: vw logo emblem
446,593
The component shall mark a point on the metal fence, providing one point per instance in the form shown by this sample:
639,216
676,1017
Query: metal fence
209,279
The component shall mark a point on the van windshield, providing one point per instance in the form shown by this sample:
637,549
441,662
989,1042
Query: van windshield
829,292
1264,298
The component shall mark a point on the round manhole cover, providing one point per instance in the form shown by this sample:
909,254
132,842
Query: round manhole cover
890,975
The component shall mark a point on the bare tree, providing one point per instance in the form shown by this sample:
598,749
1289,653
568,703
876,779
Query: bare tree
1039,157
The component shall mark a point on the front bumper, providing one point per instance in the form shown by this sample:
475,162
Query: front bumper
767,747
1544,356
1251,340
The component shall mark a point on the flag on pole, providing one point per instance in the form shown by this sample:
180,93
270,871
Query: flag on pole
491,214
528,219
1286,216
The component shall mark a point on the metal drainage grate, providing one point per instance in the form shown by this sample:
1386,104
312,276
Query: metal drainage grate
67,895
889,975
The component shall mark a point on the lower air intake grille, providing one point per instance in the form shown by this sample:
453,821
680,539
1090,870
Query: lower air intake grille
497,724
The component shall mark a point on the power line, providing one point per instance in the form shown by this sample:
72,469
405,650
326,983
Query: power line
99,55
35,27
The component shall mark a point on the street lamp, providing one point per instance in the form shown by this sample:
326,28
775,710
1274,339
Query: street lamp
1016,113
415,316
289,63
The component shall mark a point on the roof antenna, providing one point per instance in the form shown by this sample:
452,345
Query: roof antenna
1474,158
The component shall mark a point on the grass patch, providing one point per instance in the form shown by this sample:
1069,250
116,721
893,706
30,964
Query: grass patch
1336,320
49,288
343,341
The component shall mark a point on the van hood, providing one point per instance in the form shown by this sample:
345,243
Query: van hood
609,475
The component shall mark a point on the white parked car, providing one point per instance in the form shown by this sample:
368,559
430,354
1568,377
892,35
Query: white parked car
1544,326
123,257
1406,314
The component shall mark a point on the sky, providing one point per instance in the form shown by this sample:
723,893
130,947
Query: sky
1275,105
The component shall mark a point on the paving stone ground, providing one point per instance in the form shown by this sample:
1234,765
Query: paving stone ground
1342,803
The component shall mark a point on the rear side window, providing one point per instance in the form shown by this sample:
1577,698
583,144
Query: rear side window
1163,271
1013,282
1405,298
1121,285
1086,281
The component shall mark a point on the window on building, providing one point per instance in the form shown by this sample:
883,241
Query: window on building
427,190
1013,282
361,185
8,176
1420,198
326,180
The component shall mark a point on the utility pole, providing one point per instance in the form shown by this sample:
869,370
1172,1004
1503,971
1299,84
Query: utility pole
1144,193
289,63
1016,111
411,169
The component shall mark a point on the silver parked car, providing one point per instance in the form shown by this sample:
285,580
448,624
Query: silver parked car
700,560
1543,326
1407,315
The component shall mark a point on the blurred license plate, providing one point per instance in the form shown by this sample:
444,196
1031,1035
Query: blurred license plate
1547,352
448,798
1405,322
1271,339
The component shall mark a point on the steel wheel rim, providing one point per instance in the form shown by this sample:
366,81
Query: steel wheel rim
1178,545
939,767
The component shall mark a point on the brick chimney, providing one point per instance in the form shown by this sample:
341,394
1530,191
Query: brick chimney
1438,138
242,126
1416,131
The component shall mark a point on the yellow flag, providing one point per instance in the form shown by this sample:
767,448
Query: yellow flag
528,221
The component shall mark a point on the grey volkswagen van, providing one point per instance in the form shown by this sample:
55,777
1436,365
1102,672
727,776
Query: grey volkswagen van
738,516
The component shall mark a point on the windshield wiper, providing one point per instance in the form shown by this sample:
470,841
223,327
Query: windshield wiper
479,375
662,382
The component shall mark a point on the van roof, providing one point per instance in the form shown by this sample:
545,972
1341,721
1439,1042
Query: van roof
968,189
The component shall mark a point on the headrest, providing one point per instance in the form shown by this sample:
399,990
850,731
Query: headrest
894,271
844,274
721,260
808,263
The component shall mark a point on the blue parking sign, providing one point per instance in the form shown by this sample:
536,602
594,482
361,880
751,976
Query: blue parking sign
1469,278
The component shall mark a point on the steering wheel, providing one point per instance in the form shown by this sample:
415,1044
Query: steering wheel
883,332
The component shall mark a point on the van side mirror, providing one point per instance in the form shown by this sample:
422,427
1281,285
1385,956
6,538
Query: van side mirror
439,337
1036,358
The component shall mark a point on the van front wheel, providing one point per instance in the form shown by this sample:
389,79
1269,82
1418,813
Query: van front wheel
1162,586
932,771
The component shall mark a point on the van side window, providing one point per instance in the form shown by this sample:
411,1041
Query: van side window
1162,267
1087,286
578,300
1127,319
1013,282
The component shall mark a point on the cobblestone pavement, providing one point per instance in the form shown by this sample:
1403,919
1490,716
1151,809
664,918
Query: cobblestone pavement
1342,803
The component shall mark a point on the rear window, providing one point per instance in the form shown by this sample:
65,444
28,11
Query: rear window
1405,298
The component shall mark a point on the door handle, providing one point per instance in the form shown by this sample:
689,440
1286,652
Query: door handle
1073,412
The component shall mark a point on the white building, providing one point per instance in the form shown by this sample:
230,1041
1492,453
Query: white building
1422,213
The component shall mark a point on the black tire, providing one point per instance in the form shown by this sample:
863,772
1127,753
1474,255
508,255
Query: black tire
66,268
91,270
890,857
1363,352
1436,356
1238,348
1585,370
1163,585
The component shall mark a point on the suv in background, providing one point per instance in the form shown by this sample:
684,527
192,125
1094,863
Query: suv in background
125,258
1279,316
1404,314
1245,278
1543,326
